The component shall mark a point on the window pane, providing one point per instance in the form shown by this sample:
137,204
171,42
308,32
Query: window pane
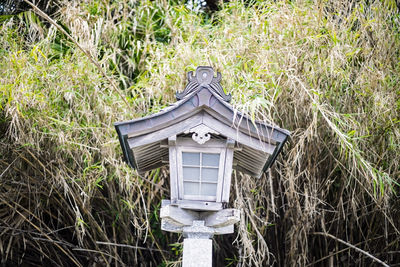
191,173
210,159
190,188
191,158
209,189
209,174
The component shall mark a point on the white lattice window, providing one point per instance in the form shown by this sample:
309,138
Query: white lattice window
201,173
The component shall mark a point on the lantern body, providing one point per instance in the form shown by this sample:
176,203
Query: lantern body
200,171
201,137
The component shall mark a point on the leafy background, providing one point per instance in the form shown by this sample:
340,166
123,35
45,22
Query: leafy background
326,70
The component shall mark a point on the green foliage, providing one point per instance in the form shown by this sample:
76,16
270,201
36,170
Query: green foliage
327,70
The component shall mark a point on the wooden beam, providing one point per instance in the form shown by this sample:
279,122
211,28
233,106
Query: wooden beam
237,135
165,133
173,172
226,183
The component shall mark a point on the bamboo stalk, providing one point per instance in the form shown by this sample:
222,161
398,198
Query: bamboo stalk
95,62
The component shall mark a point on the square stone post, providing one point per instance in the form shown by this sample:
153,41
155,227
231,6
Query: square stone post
197,245
197,252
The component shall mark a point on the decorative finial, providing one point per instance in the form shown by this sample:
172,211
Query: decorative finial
204,78
201,133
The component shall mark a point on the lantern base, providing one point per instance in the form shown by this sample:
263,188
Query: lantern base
176,219
198,227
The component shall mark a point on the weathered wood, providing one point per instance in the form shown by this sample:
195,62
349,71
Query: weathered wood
237,135
252,162
164,143
172,140
257,135
146,156
168,116
150,161
232,133
245,163
173,165
189,142
225,192
201,149
254,174
151,167
218,115
267,133
165,132
230,143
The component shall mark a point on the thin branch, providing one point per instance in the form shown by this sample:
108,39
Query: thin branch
353,247
129,246
99,252
1,175
53,241
46,17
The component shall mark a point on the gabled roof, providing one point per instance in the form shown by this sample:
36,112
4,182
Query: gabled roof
202,102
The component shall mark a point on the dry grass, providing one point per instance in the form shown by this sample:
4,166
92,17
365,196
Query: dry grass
327,70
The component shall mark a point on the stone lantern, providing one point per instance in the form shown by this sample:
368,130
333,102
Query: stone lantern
201,137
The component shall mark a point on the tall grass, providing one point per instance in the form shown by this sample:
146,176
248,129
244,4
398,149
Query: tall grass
326,70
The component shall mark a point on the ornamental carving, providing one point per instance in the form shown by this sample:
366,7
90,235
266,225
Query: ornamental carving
201,133
204,77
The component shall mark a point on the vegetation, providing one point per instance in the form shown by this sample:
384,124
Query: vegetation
326,70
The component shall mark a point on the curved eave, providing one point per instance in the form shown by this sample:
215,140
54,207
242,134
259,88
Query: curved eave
187,106
273,157
201,100
126,151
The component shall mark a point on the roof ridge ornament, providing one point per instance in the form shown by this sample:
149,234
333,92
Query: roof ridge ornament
204,77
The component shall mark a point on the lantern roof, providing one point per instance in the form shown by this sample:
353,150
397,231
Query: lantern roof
203,103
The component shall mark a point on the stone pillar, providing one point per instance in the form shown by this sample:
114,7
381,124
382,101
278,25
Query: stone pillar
197,252
197,245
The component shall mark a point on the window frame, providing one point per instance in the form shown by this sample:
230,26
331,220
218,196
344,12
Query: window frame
220,149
